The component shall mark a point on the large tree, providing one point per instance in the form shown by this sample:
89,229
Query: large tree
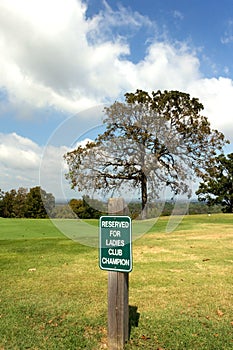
217,185
19,203
12,203
151,141
7,204
39,203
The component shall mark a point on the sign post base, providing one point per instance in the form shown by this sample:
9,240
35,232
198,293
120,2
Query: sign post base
118,310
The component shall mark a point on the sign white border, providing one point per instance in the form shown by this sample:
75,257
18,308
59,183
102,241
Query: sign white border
114,218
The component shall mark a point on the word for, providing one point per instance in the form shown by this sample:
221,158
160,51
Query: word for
115,242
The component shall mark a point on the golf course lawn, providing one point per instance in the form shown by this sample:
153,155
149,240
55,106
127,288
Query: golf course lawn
53,294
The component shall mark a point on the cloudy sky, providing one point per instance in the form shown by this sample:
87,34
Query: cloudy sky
61,60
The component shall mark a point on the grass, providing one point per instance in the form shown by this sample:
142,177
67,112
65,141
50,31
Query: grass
54,296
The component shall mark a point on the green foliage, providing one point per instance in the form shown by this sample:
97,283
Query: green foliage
86,208
7,204
194,208
36,203
13,203
217,185
151,141
62,211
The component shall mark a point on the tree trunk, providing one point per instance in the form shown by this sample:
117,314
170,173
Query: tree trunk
144,195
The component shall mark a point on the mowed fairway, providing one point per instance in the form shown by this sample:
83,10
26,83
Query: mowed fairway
54,296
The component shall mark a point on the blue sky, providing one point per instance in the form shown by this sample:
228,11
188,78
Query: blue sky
61,60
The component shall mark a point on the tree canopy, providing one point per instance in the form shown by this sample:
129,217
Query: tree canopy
35,203
150,141
85,208
217,184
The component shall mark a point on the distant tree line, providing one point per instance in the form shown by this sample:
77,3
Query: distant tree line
23,203
37,203
166,209
85,209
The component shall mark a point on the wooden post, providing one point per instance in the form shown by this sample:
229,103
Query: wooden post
118,313
118,294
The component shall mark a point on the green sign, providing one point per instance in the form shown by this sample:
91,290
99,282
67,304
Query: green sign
115,243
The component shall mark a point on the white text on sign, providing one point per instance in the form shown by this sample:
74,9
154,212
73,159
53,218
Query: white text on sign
115,243
115,224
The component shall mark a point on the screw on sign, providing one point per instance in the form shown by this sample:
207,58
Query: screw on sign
115,243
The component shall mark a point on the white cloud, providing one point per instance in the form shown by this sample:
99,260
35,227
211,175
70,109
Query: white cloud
178,15
82,143
46,58
216,96
227,38
52,55
52,170
19,159
121,18
18,152
25,164
168,67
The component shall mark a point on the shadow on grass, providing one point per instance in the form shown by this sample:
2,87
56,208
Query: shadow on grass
133,318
